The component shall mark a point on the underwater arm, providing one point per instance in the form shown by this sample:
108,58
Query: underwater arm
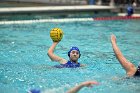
82,65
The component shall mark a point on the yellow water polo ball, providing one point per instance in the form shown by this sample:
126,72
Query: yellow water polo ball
56,34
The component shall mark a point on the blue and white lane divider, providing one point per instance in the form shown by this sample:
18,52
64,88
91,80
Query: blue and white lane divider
46,20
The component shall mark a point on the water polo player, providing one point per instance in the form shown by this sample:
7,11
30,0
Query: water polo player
74,52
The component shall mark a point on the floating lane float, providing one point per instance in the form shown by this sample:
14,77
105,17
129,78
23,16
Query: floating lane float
117,18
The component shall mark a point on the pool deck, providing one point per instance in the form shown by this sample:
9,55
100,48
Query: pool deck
53,9
124,14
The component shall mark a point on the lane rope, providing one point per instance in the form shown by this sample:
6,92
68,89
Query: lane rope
69,20
45,20
118,18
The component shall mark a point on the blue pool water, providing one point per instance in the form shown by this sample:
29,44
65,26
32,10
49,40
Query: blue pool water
24,63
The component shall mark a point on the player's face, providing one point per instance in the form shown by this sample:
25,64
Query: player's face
74,55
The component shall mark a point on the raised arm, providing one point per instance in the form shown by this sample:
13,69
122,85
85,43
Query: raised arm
54,57
128,66
83,84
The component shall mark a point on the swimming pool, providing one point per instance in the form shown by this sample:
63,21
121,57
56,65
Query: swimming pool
24,63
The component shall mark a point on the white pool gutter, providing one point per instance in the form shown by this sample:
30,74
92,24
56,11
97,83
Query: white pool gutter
54,9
